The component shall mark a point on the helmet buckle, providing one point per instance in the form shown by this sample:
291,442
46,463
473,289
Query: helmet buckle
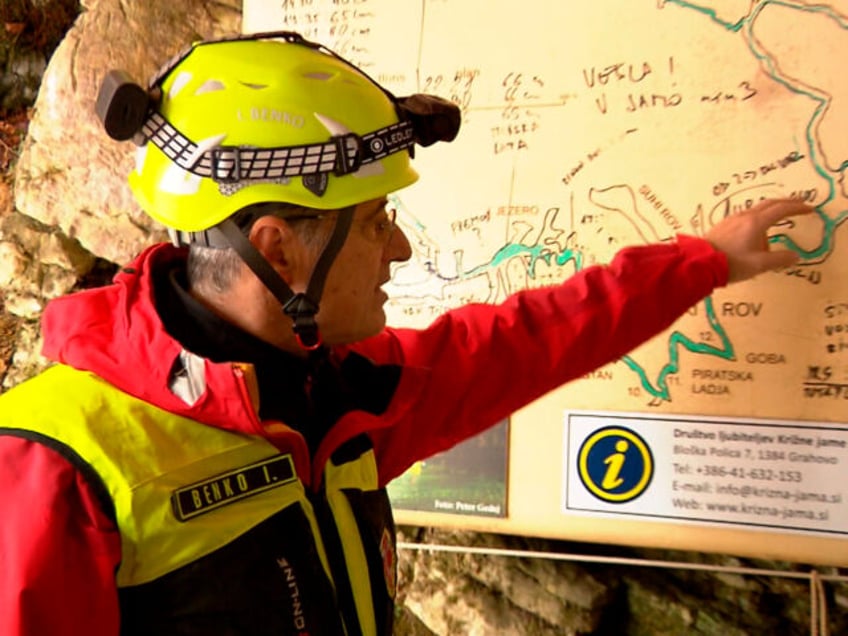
348,153
226,164
302,309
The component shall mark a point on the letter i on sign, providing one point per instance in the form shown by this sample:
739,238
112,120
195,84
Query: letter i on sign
615,464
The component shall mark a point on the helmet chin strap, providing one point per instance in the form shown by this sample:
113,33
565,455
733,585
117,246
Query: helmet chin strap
300,307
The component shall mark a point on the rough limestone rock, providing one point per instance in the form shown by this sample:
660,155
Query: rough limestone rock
70,175
456,593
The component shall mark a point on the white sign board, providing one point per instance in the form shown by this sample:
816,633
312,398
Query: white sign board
746,473
587,127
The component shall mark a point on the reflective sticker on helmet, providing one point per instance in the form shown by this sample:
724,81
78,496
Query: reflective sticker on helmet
333,127
140,157
204,146
181,79
372,169
175,180
210,86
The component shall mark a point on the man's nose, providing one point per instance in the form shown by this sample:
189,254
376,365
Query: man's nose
398,249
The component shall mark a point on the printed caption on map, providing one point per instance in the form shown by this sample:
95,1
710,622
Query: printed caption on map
756,473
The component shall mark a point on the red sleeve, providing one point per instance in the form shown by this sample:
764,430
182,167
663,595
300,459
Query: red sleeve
58,549
483,362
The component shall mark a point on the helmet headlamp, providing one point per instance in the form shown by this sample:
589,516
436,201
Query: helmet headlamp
124,107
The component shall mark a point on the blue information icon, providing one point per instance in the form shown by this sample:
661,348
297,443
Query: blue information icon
615,464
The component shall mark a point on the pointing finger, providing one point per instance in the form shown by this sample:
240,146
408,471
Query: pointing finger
774,210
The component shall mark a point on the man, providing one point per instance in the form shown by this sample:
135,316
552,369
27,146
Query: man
210,453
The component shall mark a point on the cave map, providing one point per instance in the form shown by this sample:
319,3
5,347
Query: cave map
591,126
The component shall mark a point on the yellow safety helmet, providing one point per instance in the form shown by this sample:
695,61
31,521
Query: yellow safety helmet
261,119
266,117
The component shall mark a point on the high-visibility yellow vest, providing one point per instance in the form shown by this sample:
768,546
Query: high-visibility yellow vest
217,531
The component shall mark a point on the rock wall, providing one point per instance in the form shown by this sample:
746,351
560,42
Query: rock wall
634,592
72,208
72,177
67,220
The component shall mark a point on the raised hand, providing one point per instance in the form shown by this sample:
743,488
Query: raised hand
743,237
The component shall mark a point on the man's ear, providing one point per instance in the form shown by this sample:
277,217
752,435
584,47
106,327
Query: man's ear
280,246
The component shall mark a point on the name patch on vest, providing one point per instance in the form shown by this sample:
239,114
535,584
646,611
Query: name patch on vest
221,490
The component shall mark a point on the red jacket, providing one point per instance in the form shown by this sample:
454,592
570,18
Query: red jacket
59,550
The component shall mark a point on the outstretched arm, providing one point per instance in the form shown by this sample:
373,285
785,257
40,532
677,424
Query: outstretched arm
478,363
744,240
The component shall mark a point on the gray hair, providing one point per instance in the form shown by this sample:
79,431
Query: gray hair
214,270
